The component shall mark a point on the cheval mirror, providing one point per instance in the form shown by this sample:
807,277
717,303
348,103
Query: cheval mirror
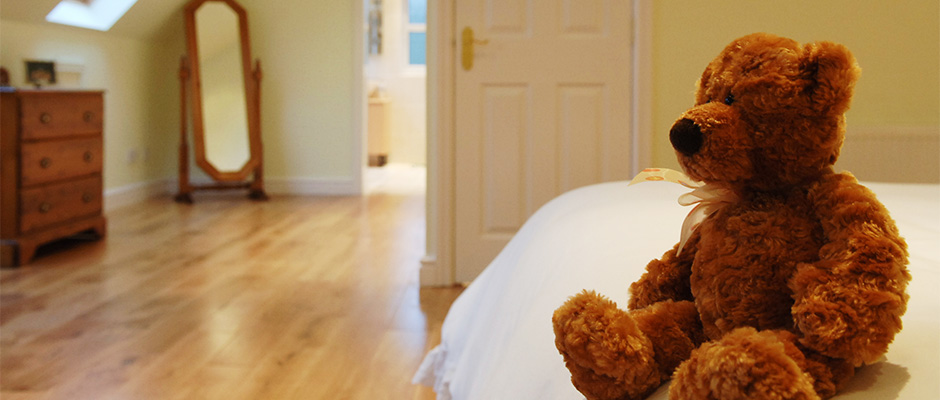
225,100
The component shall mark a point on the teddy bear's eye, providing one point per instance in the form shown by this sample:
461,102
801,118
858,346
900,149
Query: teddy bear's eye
729,99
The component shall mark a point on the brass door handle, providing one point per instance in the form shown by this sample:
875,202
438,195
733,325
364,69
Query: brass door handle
468,43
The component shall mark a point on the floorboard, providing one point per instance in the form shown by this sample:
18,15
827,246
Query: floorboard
294,298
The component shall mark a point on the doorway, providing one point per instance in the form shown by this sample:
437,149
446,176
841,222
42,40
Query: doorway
394,74
438,265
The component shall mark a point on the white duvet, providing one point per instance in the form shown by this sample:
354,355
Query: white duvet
497,341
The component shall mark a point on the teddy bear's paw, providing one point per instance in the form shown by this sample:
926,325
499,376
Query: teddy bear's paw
744,364
607,354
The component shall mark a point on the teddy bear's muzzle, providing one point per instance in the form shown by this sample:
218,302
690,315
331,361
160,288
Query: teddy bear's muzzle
686,137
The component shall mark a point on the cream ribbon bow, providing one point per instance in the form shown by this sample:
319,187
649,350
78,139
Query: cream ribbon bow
708,196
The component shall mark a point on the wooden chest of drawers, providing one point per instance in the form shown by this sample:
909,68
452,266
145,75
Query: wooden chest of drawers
51,161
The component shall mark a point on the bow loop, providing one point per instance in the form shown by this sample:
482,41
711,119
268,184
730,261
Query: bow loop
707,198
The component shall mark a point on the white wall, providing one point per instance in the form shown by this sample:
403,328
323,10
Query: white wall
897,45
308,93
405,87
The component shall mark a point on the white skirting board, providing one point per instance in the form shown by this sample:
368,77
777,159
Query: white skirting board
892,154
136,192
312,186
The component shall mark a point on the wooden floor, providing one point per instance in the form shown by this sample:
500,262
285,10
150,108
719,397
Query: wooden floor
294,298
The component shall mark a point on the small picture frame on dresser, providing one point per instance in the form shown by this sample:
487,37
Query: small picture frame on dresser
40,73
4,78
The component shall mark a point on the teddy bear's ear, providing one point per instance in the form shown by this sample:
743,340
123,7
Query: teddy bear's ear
831,72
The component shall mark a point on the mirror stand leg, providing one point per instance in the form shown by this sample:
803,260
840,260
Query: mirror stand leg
184,195
185,198
185,190
256,190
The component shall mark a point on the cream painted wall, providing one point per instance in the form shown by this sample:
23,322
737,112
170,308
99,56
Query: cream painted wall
406,88
137,146
311,71
308,104
897,44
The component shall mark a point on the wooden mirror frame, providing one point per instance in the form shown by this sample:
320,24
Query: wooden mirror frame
190,78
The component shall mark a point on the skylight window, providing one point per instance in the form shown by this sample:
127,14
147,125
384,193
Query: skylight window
92,14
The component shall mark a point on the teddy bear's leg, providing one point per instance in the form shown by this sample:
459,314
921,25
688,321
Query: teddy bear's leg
744,364
747,364
830,374
613,354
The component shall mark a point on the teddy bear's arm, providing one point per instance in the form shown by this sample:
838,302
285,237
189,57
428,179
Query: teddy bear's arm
849,303
666,278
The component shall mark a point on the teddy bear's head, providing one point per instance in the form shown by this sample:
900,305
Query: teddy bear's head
768,114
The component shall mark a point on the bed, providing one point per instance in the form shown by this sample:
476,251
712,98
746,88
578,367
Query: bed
497,340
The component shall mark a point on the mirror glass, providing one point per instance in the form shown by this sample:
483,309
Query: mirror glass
224,110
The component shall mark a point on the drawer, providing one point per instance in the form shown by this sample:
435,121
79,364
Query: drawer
47,115
47,205
55,160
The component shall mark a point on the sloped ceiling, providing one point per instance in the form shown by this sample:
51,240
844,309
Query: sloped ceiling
147,19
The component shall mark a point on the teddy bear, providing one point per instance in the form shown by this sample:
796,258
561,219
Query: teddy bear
794,278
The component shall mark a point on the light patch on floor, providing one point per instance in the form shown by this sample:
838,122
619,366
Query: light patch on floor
394,178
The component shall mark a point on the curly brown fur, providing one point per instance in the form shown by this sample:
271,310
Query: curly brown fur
665,279
744,365
849,302
674,330
607,353
781,293
613,354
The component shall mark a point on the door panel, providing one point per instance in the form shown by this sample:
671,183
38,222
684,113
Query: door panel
545,109
505,131
507,16
584,17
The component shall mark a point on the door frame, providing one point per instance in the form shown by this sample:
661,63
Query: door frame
438,266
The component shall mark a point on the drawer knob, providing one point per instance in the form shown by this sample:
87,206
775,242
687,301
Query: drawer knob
45,118
45,162
45,207
86,197
87,156
88,116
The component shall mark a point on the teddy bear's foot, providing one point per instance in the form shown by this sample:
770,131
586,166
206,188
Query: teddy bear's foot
607,354
744,364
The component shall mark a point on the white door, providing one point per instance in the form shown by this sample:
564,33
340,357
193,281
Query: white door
544,109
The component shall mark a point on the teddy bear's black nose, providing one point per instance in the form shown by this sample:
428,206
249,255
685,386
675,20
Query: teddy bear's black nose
686,137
